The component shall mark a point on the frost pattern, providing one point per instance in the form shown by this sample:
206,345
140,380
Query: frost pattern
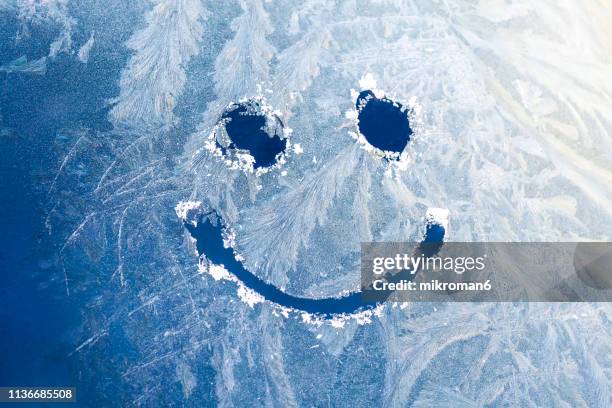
299,64
85,49
541,344
31,13
155,75
21,64
244,62
515,140
282,226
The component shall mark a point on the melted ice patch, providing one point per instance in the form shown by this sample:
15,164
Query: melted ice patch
250,136
217,257
252,298
378,126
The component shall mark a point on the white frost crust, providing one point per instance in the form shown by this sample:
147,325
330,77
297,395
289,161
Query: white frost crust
437,216
341,320
218,272
396,161
229,241
251,298
186,210
367,82
297,148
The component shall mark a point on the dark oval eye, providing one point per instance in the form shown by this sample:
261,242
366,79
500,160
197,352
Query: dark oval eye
384,123
249,128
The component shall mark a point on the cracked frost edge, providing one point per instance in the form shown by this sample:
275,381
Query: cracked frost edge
399,161
437,216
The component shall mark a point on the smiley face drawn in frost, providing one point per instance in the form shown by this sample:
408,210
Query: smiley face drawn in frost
251,129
